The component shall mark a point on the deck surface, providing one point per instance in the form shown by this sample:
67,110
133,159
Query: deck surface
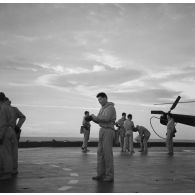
69,170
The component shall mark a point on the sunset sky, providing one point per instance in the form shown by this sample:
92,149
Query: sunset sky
55,58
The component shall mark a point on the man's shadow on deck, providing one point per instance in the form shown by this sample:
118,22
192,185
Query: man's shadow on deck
104,187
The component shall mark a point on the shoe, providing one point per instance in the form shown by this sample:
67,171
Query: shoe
170,153
140,150
108,179
98,178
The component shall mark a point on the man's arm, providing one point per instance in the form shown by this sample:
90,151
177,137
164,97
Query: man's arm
21,118
107,117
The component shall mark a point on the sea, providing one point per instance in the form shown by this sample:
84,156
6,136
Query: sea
76,139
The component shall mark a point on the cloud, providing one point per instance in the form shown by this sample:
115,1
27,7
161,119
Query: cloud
149,96
98,78
54,106
64,70
159,77
89,37
47,66
105,58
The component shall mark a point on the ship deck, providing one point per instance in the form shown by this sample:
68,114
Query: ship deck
67,169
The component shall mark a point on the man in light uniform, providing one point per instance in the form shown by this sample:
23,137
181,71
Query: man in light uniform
106,120
138,140
19,119
120,124
129,125
144,136
170,133
86,126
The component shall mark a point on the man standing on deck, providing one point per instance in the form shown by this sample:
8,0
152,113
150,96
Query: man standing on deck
129,126
86,127
19,119
170,133
106,120
120,124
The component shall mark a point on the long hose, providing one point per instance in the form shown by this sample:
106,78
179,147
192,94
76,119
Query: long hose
153,128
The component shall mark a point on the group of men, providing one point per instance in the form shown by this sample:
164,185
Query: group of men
126,128
10,128
106,119
11,121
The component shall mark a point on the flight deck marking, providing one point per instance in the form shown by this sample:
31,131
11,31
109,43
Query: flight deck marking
54,165
64,188
74,174
188,150
39,163
67,169
73,181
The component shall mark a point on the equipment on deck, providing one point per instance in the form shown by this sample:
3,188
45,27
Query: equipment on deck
178,118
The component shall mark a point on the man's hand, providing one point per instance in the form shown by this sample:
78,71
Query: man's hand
93,116
95,119
17,129
117,125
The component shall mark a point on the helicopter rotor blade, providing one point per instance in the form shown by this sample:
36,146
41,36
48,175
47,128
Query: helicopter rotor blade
184,102
157,112
175,103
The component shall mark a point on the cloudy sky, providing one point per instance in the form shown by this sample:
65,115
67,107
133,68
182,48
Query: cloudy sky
55,58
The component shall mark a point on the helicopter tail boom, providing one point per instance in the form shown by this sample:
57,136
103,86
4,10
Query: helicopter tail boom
184,119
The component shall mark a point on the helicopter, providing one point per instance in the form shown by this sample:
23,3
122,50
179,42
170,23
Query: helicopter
178,118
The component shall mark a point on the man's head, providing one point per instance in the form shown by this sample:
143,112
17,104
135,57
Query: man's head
102,98
129,116
7,101
123,115
135,129
2,97
86,113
